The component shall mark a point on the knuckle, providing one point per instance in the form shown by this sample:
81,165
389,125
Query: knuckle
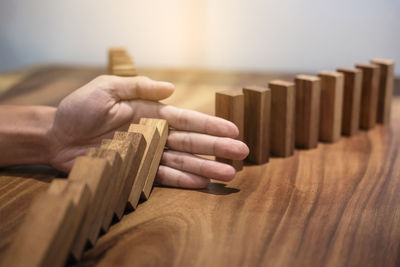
106,81
187,143
182,119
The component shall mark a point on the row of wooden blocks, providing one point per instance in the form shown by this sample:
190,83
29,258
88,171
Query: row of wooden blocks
102,185
287,115
120,63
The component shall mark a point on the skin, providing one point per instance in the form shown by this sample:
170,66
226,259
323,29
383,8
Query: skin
56,136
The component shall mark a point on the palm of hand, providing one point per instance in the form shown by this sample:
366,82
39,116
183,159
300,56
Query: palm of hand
107,104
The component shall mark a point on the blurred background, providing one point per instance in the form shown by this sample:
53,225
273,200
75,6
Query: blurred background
252,35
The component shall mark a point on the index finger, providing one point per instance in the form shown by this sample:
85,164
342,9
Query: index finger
194,121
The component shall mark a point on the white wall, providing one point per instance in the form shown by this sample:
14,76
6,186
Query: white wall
279,35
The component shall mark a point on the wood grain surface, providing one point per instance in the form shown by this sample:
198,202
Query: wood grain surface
337,205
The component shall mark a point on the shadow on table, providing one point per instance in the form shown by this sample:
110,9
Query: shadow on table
212,188
219,189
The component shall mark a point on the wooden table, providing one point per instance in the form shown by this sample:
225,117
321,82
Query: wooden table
337,205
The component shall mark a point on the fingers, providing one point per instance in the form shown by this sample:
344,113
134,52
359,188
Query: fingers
127,88
172,177
186,120
207,145
198,166
193,121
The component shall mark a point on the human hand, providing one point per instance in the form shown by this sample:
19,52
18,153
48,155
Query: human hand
110,103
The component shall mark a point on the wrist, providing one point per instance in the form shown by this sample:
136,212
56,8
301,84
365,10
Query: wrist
24,134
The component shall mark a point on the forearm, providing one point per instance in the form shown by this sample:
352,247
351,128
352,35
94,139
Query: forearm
24,134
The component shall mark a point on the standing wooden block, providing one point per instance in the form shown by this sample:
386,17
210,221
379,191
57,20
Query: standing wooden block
95,172
283,105
257,112
113,192
162,127
229,105
331,106
46,235
351,100
130,163
308,94
119,62
386,83
369,95
152,138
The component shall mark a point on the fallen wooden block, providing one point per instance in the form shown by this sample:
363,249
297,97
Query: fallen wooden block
331,106
257,112
152,138
130,163
46,235
351,100
369,95
386,83
113,192
308,94
96,173
229,105
283,105
162,127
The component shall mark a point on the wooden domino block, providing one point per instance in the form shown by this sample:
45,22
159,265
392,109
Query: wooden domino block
308,94
130,163
152,138
283,105
124,70
331,106
119,62
117,51
229,105
386,83
257,112
351,100
369,95
96,173
112,194
46,235
162,127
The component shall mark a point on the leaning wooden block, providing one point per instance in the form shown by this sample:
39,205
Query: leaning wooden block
283,105
130,163
46,235
95,172
331,106
112,194
152,138
229,105
386,83
257,112
126,152
369,95
351,100
308,93
162,128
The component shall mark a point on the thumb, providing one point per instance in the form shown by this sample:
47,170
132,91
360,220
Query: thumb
139,87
